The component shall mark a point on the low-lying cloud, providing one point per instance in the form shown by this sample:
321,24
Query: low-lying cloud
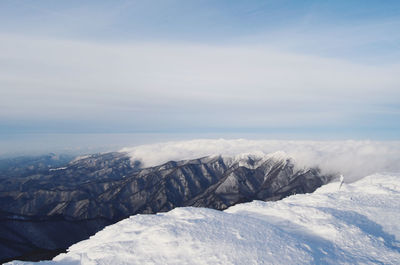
354,159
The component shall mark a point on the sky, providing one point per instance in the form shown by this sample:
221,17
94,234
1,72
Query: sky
291,69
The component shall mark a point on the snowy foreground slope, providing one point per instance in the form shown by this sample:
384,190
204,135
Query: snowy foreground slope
357,224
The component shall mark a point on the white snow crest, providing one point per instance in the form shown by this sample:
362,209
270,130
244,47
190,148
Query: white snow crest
353,159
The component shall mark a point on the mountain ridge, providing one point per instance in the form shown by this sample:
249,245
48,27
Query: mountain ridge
101,189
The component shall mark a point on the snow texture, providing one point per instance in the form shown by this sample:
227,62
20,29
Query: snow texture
354,159
356,224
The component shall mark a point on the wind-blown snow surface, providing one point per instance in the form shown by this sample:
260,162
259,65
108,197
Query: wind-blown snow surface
354,159
357,224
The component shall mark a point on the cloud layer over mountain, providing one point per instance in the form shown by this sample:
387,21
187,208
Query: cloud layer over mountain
354,159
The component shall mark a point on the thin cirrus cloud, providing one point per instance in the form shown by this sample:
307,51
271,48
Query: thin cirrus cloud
165,66
191,84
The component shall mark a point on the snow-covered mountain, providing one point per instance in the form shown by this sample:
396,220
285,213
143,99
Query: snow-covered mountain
356,223
44,212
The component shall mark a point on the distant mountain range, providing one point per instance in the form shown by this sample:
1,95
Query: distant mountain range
48,204
29,165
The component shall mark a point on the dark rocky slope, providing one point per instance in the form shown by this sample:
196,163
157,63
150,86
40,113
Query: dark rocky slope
29,165
42,214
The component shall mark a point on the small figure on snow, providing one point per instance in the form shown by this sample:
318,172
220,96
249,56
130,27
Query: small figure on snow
341,181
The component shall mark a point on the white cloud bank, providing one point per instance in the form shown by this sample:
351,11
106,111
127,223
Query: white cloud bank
354,159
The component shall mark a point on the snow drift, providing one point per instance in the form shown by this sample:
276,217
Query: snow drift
356,223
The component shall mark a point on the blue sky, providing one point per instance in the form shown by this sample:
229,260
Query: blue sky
323,69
